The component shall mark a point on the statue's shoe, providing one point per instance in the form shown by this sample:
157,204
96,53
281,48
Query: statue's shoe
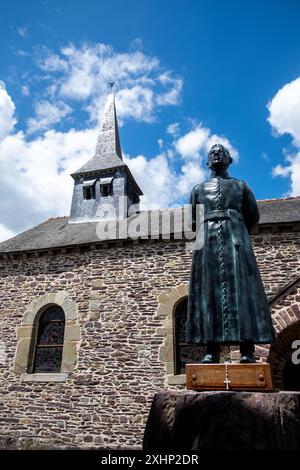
211,359
248,359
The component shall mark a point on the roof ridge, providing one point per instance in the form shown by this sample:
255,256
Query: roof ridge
54,218
180,207
279,199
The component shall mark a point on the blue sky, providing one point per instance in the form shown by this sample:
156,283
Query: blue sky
188,73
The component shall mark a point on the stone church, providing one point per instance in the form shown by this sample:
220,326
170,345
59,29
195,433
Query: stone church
93,309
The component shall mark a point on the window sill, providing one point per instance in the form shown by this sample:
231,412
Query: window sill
45,377
179,379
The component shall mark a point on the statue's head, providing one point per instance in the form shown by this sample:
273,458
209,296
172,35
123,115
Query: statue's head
218,157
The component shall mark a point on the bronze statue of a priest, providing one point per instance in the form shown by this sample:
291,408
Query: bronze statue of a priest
227,303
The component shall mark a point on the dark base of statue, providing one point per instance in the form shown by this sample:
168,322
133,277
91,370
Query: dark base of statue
187,420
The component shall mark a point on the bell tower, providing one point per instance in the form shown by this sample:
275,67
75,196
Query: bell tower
104,188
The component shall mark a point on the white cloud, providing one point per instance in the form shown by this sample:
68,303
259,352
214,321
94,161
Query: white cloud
51,62
7,109
160,143
5,233
196,143
280,170
156,178
23,32
36,168
25,90
22,53
284,117
37,183
294,168
173,129
291,170
136,102
82,74
165,181
136,44
191,174
171,97
265,156
191,143
284,111
47,114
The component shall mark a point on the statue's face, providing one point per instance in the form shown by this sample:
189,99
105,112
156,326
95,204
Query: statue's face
217,157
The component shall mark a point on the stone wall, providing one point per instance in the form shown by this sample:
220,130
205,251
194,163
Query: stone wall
278,255
106,400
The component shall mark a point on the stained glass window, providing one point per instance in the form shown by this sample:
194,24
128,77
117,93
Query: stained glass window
49,341
184,353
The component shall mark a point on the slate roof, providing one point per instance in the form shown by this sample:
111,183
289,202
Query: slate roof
279,211
57,232
108,161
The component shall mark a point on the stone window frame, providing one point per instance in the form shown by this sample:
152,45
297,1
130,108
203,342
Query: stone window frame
167,303
27,330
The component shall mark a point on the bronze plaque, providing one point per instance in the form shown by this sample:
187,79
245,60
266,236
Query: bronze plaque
243,377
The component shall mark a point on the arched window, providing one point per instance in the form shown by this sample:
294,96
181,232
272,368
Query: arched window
48,349
184,353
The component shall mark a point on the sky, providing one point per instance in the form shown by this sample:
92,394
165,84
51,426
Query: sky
188,74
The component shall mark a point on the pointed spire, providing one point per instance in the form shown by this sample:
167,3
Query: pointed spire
108,140
108,153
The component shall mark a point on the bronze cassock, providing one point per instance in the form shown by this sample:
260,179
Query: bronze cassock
227,303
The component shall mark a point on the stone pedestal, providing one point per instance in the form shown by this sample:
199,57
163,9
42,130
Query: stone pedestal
188,420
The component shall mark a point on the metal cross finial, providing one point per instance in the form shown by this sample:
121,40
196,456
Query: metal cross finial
111,84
